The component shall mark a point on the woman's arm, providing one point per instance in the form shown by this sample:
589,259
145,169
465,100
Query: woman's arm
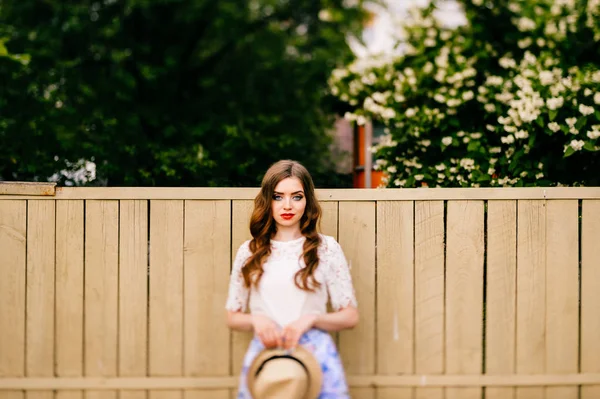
336,321
266,330
239,321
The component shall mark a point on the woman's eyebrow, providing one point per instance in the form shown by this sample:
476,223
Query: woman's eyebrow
295,192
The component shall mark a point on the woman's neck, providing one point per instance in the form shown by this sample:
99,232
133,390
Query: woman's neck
287,234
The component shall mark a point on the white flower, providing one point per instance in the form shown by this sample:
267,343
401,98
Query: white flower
593,134
571,121
491,171
489,107
388,113
506,62
468,95
454,102
555,127
597,98
504,120
539,175
577,145
586,110
429,42
587,92
507,139
524,43
491,128
467,164
476,136
495,150
555,102
428,67
494,81
546,78
447,141
419,177
446,35
325,15
392,169
440,167
410,112
441,176
521,134
525,24
379,97
439,98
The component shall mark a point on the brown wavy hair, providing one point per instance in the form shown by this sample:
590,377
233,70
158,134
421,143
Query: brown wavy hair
263,227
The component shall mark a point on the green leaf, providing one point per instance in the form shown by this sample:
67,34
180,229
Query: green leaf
581,123
552,114
484,177
473,146
569,151
540,121
590,147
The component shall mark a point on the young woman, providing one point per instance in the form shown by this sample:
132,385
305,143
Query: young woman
287,272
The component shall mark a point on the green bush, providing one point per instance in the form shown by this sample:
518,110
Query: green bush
511,98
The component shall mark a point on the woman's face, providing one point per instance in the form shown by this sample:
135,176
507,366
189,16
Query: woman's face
288,202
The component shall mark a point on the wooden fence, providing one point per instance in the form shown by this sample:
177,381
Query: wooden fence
463,293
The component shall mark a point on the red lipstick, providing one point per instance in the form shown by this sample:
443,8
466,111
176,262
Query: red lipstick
287,216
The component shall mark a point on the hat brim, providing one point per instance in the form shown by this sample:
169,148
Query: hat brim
308,360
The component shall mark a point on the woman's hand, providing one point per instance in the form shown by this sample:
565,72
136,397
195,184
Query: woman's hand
267,330
293,332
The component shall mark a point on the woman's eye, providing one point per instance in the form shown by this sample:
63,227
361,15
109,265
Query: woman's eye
277,197
298,197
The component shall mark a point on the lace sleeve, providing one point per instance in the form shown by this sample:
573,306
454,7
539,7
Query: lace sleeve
237,298
339,280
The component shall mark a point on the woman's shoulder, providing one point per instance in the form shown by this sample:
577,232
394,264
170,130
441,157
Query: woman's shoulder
243,250
328,244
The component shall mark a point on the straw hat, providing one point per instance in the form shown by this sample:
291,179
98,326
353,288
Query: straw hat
279,373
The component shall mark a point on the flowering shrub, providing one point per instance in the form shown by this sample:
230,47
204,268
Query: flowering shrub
511,98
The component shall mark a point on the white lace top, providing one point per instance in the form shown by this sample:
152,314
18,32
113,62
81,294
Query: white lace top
277,296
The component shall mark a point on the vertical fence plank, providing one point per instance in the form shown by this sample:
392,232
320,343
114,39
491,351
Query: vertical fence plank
101,291
166,293
464,287
240,232
41,232
329,218
133,292
69,293
329,226
395,283
590,294
357,238
562,281
206,271
13,247
531,293
429,293
501,293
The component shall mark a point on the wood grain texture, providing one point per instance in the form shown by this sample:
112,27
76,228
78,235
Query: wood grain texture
429,293
501,293
395,283
464,292
590,294
531,294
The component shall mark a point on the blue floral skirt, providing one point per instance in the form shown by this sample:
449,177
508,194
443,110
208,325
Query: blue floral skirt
322,346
